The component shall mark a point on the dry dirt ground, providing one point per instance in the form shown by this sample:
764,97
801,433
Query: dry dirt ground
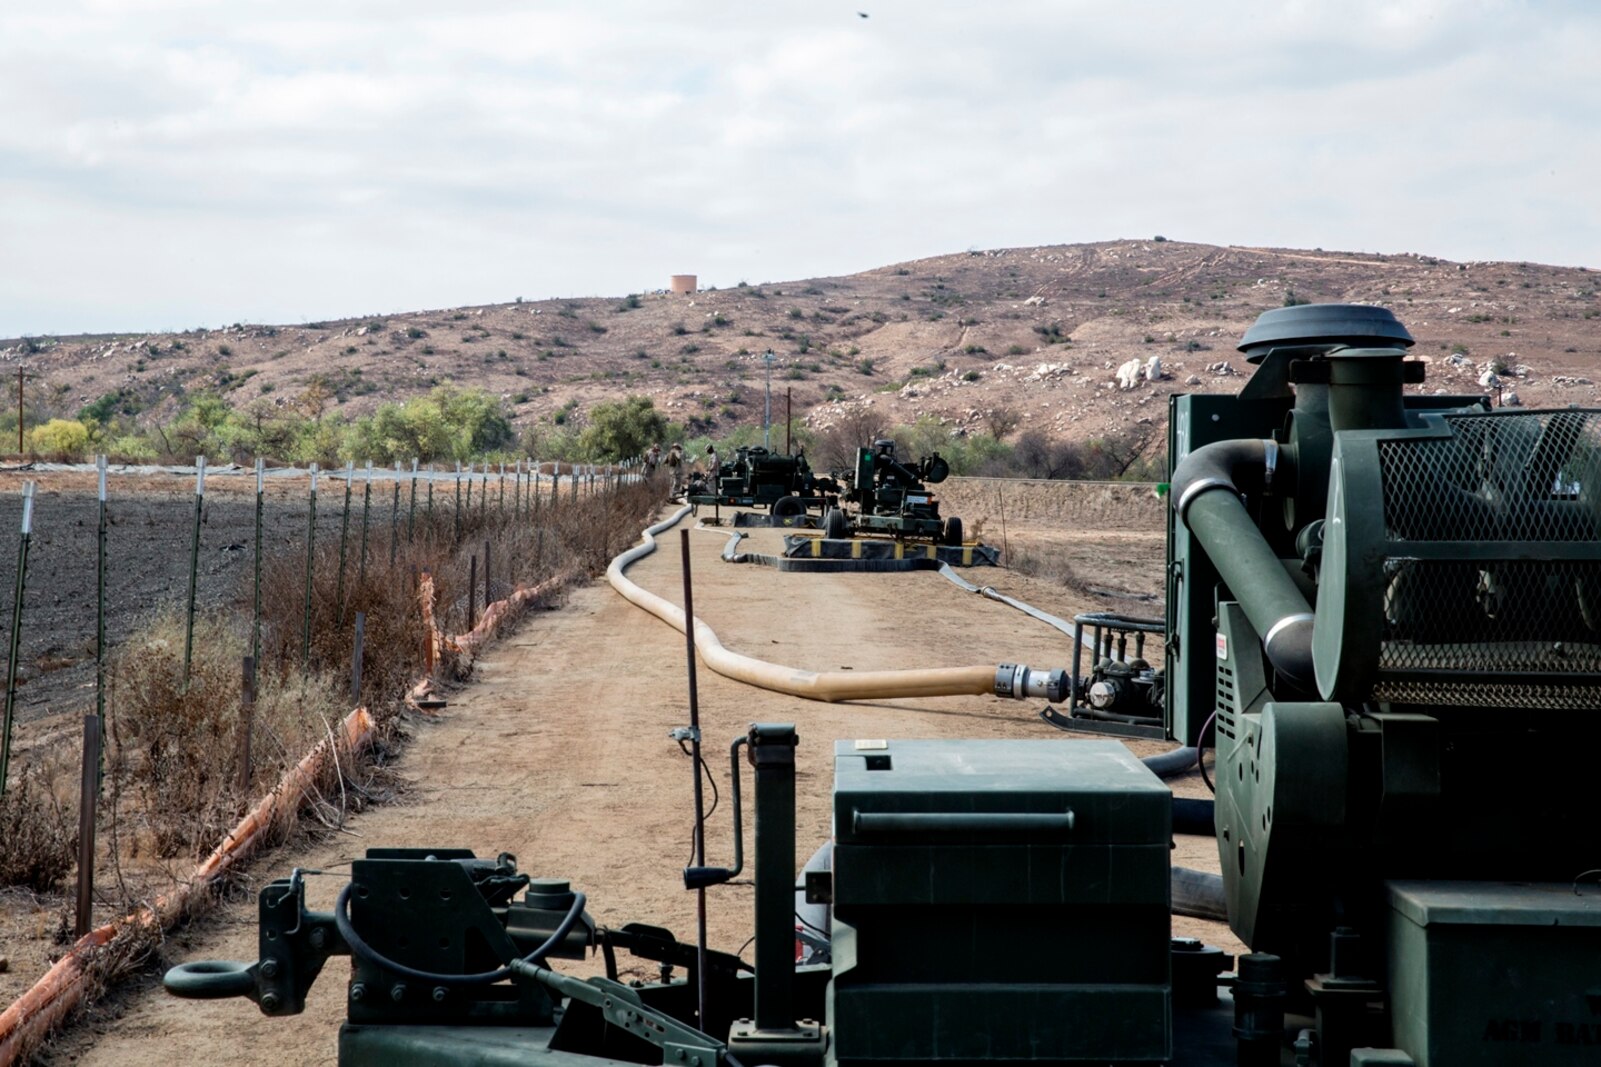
558,752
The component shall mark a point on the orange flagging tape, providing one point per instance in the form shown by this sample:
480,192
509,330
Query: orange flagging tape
32,1015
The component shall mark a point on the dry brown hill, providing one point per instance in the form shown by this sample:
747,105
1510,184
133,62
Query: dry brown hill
1038,332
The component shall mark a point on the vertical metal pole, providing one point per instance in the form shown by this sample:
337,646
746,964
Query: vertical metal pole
517,491
533,485
502,504
430,511
767,403
366,508
355,659
394,520
483,490
100,595
458,501
194,566
575,482
411,509
88,791
344,535
16,634
255,631
469,486
311,548
772,753
695,759
486,574
472,590
247,722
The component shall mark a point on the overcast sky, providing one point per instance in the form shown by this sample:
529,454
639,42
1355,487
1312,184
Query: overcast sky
168,164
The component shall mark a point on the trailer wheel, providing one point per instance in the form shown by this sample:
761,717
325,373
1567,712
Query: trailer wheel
788,507
953,532
835,528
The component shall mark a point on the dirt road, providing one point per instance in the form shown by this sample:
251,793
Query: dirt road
558,752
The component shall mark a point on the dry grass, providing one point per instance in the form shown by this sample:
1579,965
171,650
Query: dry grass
177,747
38,834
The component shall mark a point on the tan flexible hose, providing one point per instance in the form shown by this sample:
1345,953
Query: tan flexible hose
831,686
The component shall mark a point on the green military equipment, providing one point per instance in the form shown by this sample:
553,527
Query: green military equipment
756,478
882,495
1383,612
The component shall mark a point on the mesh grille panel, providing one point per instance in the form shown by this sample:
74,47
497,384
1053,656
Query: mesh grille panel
1529,478
1534,696
1524,615
1523,477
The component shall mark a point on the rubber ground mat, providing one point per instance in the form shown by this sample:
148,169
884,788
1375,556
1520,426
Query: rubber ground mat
869,548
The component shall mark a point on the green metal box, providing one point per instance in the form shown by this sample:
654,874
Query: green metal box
1496,972
998,901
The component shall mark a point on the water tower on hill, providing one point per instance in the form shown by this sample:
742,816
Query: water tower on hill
683,283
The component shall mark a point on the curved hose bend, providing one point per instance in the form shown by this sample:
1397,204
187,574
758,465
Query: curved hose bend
1236,547
831,686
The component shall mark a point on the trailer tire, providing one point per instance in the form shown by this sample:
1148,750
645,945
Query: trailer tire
952,534
788,507
835,526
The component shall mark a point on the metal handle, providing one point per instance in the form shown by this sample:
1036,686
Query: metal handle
956,822
211,979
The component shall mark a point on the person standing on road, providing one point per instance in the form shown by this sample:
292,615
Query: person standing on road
675,466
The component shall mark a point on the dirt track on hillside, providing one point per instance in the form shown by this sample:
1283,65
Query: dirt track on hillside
559,753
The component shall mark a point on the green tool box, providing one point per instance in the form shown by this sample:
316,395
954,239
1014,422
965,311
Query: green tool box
1496,972
998,900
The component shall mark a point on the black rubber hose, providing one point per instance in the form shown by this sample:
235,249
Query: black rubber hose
359,947
1194,815
1174,761
1117,716
1199,894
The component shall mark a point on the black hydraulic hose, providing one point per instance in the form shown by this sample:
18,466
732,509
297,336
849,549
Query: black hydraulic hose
1174,761
1198,894
359,947
1200,743
1194,815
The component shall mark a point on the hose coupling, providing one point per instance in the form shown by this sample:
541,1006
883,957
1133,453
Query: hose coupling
1021,682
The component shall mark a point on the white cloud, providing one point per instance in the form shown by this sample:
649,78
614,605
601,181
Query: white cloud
168,163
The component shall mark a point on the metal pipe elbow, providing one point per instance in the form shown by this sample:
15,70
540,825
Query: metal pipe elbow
1223,465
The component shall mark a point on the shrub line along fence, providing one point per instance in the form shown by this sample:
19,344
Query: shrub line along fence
92,957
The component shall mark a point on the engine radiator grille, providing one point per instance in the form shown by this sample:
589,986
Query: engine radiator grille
1490,599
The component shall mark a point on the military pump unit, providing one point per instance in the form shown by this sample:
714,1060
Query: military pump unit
1383,613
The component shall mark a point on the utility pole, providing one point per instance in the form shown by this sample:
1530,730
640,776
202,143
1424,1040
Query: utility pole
767,406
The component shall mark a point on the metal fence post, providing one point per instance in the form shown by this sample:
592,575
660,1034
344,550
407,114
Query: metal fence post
194,566
394,520
311,546
16,634
100,597
355,659
411,509
247,721
88,791
255,629
344,537
366,508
